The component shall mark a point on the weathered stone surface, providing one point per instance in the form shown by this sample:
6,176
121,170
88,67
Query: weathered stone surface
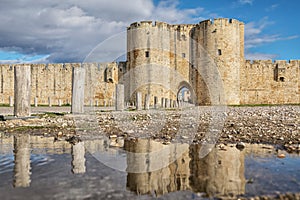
138,101
147,101
119,97
55,81
167,103
35,101
22,92
11,101
78,90
163,102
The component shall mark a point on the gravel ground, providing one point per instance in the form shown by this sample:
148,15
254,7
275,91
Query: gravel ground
277,125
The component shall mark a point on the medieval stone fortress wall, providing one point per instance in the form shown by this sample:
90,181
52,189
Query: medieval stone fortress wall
51,84
270,82
206,58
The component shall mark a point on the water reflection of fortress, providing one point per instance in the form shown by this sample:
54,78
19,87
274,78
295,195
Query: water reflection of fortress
219,173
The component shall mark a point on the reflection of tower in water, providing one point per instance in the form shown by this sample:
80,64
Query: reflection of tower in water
78,160
22,161
220,173
155,168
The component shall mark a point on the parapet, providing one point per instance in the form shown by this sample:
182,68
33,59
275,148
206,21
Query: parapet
147,24
220,22
183,27
294,62
262,62
161,24
285,63
273,63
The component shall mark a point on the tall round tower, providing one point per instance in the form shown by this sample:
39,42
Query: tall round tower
158,60
222,41
148,49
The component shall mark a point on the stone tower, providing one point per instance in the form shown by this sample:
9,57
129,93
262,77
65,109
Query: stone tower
219,43
147,47
157,59
164,58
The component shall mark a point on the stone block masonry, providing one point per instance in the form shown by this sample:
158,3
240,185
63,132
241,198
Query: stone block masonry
54,82
268,82
138,101
22,91
78,88
119,97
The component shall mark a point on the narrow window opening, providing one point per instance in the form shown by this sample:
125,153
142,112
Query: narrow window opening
219,52
183,55
147,54
281,79
110,80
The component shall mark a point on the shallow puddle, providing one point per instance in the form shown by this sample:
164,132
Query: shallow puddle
39,168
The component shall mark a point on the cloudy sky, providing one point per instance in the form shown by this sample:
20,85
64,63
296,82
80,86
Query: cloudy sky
67,31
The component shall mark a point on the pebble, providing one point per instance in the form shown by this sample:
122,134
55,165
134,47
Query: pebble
281,155
113,136
59,134
130,131
240,145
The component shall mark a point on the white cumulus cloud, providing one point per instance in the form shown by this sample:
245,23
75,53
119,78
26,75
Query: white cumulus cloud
68,30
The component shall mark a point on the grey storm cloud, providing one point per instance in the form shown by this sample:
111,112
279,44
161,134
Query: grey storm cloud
68,30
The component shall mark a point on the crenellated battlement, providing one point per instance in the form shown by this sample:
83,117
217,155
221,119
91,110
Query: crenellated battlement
158,24
220,22
183,27
148,24
275,63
